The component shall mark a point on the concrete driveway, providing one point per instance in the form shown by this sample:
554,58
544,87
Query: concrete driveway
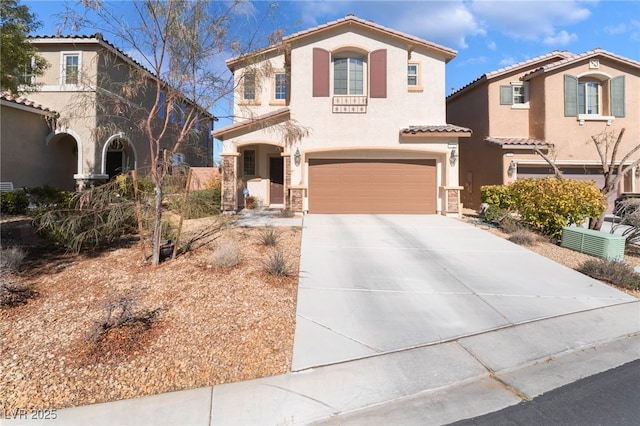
372,284
411,320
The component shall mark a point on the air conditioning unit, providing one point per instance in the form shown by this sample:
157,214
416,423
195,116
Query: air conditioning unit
596,243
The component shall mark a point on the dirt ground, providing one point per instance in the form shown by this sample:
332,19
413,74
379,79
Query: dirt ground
214,325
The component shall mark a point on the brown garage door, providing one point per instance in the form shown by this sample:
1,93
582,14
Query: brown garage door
372,186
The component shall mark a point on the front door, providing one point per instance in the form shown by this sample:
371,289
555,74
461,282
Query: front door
276,176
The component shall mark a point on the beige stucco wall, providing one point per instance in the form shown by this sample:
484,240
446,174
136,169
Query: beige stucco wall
478,108
571,138
26,159
373,134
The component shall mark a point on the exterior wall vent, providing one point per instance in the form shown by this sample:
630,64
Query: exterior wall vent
595,243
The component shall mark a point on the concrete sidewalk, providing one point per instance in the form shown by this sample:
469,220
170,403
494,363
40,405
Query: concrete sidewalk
412,320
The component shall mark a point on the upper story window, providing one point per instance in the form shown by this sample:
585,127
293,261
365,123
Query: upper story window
412,75
588,97
348,76
515,95
249,86
280,86
595,96
161,106
27,76
414,82
71,68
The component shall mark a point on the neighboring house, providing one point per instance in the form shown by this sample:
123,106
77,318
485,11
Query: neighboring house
555,101
96,134
25,158
372,101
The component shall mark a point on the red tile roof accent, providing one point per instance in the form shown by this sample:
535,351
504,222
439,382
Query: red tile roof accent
21,100
252,122
447,128
517,141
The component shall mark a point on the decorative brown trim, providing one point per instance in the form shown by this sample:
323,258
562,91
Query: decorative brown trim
378,73
321,72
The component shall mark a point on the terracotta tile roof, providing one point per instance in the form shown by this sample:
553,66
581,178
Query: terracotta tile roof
517,141
561,55
352,18
447,128
347,20
586,55
251,124
21,100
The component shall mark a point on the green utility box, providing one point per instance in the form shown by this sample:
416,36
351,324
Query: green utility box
595,243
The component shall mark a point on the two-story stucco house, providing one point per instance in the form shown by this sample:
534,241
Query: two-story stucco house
372,102
95,133
556,101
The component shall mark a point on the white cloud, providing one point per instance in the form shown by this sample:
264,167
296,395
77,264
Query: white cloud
491,45
561,39
505,62
474,61
621,28
530,20
444,22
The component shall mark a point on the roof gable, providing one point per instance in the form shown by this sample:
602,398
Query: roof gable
349,20
520,66
601,53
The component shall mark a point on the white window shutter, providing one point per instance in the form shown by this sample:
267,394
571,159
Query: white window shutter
506,95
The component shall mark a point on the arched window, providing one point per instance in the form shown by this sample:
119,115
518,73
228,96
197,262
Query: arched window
348,75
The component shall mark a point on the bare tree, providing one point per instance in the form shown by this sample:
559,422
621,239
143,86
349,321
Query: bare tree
180,46
608,144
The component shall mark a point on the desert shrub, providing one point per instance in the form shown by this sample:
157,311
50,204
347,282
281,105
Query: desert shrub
11,259
269,236
47,197
546,205
616,273
14,294
498,196
226,255
277,264
214,181
629,212
200,203
550,204
523,237
14,202
120,311
94,217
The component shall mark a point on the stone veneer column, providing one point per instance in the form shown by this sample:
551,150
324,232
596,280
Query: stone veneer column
229,182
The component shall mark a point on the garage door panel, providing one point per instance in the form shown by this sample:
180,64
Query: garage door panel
372,186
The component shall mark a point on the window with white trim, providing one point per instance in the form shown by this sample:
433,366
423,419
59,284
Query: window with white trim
249,162
249,86
280,86
588,97
71,68
348,76
514,94
412,75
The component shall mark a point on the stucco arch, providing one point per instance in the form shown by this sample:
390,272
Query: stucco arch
57,134
105,148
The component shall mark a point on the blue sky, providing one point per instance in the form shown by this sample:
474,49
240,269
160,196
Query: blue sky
488,34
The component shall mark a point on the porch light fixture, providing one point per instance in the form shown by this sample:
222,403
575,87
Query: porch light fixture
512,169
296,157
637,172
453,158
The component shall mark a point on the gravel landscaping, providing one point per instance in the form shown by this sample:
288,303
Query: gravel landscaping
214,316
213,324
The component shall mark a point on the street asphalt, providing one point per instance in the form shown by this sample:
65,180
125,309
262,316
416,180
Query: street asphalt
410,319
